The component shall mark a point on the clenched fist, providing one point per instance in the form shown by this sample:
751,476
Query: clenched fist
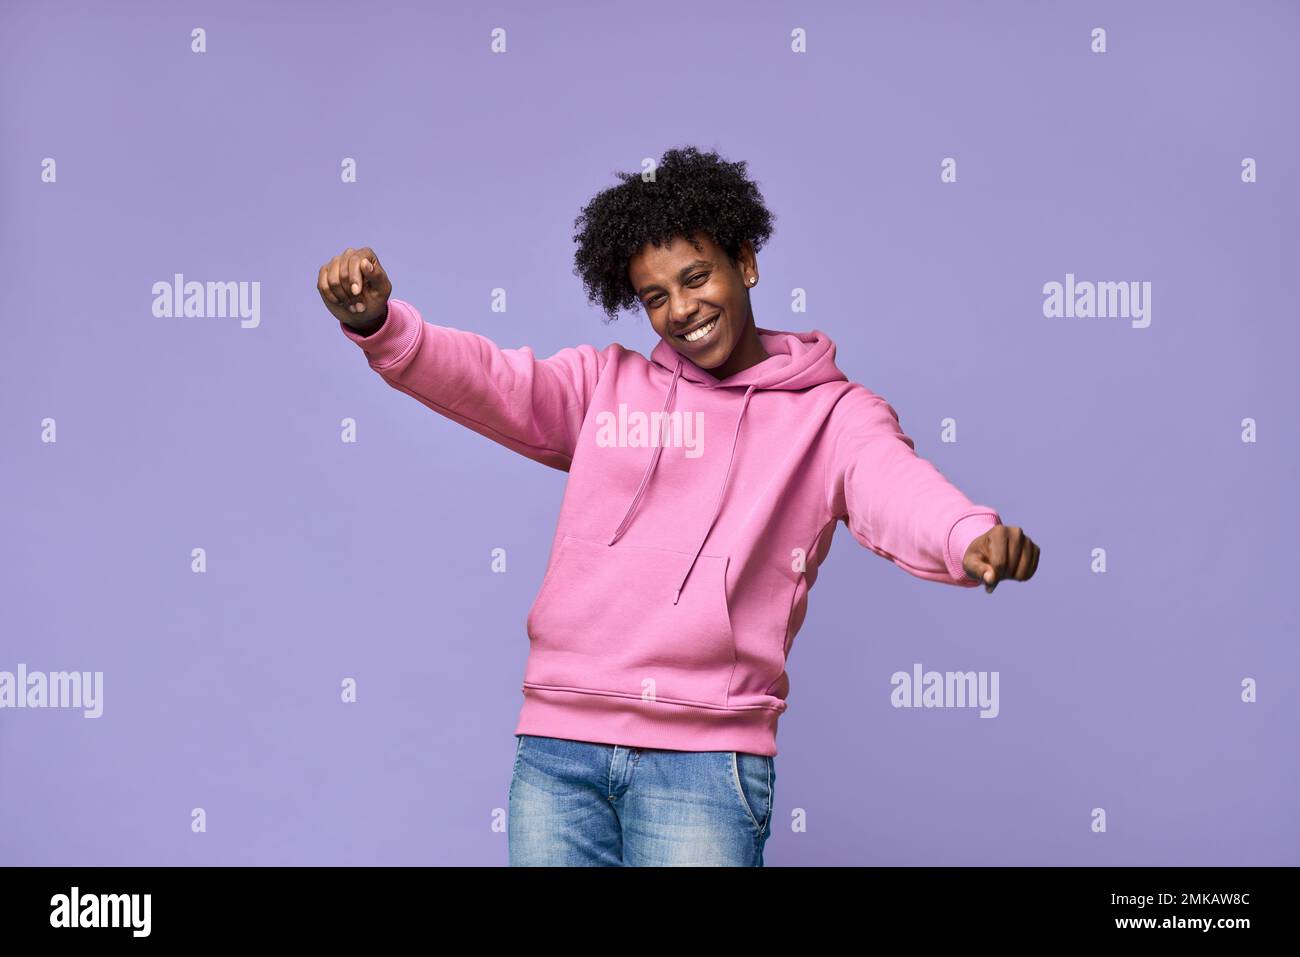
355,289
1001,552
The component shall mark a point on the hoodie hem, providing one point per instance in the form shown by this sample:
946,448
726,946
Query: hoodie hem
637,723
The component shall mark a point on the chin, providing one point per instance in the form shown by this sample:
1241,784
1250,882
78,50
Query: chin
710,360
715,357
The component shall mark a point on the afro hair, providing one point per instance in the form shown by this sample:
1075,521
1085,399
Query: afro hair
691,192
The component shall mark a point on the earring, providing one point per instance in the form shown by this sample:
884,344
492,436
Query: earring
752,280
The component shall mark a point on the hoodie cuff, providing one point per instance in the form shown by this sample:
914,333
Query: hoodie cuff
964,531
391,341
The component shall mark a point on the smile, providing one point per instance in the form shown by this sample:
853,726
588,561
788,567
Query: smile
695,335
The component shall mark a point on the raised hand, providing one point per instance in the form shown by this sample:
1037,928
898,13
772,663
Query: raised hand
355,288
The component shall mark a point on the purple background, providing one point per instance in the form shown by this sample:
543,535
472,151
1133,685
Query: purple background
1118,690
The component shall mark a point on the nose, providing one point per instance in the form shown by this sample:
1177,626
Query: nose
681,312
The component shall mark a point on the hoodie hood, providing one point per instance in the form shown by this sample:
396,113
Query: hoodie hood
796,360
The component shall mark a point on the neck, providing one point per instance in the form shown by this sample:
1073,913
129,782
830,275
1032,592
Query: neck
749,352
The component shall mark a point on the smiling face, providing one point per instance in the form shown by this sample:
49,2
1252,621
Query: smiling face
698,301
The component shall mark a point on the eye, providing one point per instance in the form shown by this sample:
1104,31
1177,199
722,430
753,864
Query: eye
693,281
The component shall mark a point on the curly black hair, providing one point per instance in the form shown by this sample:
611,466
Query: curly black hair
692,191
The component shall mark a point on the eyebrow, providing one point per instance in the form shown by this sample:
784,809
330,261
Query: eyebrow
681,274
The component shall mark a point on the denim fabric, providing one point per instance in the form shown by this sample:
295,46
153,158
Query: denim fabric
574,803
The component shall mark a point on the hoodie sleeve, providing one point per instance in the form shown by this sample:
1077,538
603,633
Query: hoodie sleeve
893,501
534,406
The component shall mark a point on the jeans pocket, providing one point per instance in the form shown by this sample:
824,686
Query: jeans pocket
753,777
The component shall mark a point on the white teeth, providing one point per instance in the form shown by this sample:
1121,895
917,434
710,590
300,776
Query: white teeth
701,332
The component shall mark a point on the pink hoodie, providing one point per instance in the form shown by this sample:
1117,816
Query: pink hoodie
696,513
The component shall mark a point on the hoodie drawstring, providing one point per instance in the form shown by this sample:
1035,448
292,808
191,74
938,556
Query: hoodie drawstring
654,459
721,492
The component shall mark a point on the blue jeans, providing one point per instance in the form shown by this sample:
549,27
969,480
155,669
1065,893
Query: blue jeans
574,803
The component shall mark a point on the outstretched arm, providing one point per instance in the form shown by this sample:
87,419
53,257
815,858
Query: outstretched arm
532,405
894,502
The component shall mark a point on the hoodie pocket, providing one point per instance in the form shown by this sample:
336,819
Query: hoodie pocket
604,621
